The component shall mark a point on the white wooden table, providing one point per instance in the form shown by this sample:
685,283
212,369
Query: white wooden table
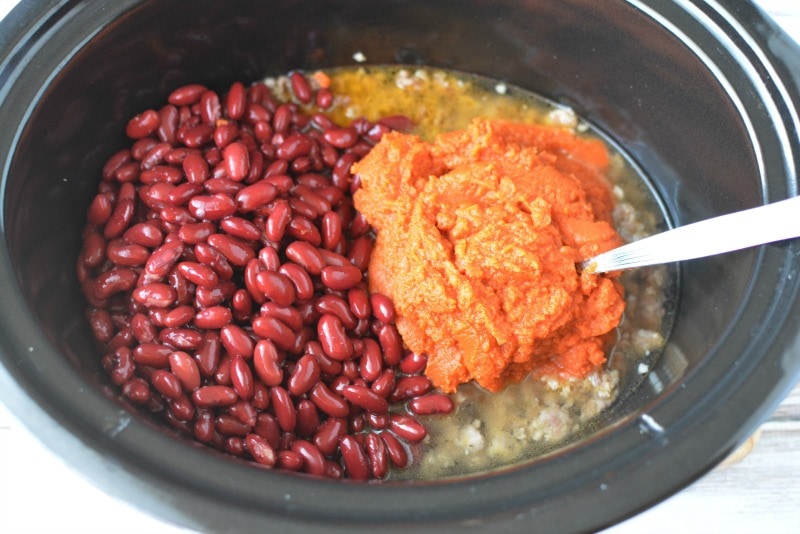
758,493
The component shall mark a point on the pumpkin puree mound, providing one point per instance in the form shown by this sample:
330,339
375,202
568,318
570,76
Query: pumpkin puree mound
478,235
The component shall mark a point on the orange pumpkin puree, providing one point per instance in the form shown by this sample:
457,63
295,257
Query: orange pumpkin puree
478,236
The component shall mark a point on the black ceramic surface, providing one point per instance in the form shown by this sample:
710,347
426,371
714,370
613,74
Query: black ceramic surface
703,97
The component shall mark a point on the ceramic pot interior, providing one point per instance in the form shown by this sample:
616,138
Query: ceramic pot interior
616,65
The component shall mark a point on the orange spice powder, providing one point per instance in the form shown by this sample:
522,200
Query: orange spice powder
478,236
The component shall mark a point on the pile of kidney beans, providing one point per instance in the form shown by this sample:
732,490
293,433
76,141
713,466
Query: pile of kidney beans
225,269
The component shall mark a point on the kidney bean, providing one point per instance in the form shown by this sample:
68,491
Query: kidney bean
335,305
278,220
305,255
183,193
300,87
120,219
282,118
255,112
196,136
302,228
136,390
94,250
340,137
181,338
413,363
179,316
240,228
314,461
175,215
123,366
267,427
377,454
227,425
384,384
236,341
331,230
371,361
260,450
168,126
355,460
198,274
142,328
116,280
267,363
306,373
195,168
214,396
286,314
254,196
300,280
377,421
161,174
100,209
340,277
222,207
154,295
163,259
359,302
211,256
152,355
333,337
407,427
289,460
391,344
195,233
365,398
224,134
102,325
237,161
204,426
233,445
155,155
328,401
276,286
213,318
251,271
112,164
143,124
408,387
357,423
275,330
241,306
327,435
285,411
307,418
211,207
302,164
382,307
184,368
319,205
127,172
210,108
186,95
144,234
166,383
236,101
242,377
395,450
207,297
234,250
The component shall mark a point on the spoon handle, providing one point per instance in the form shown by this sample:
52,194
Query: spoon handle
726,233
